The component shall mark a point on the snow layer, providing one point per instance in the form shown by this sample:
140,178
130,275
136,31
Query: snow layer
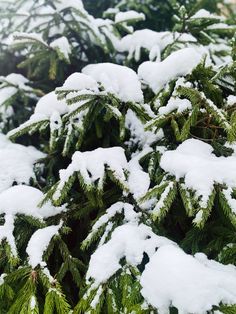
91,166
116,79
75,4
6,93
138,180
203,13
16,163
16,79
49,104
63,45
22,199
179,63
175,104
154,42
38,243
139,136
231,100
129,241
191,284
194,161
80,81
10,85
128,15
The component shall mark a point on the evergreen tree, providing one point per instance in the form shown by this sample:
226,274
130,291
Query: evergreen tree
119,193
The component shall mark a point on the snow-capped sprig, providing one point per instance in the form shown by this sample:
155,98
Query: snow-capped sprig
55,52
155,43
47,112
206,27
125,252
17,163
14,88
183,105
105,224
132,240
200,174
159,199
22,200
92,169
102,92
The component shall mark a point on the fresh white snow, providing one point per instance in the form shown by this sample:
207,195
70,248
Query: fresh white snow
48,104
128,15
63,45
177,104
24,200
194,161
129,241
79,81
179,63
192,284
16,163
91,167
116,79
39,242
153,42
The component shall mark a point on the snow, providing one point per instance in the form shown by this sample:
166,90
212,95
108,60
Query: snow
2,276
231,100
39,242
191,284
114,209
228,194
138,180
15,79
138,133
129,241
119,80
9,87
33,303
16,163
22,199
6,93
75,4
25,200
173,104
79,81
48,108
91,167
203,13
154,42
63,45
179,63
48,104
31,37
129,15
194,161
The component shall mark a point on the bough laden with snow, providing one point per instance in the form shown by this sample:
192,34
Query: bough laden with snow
127,202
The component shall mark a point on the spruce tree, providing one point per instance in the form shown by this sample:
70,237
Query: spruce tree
117,157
